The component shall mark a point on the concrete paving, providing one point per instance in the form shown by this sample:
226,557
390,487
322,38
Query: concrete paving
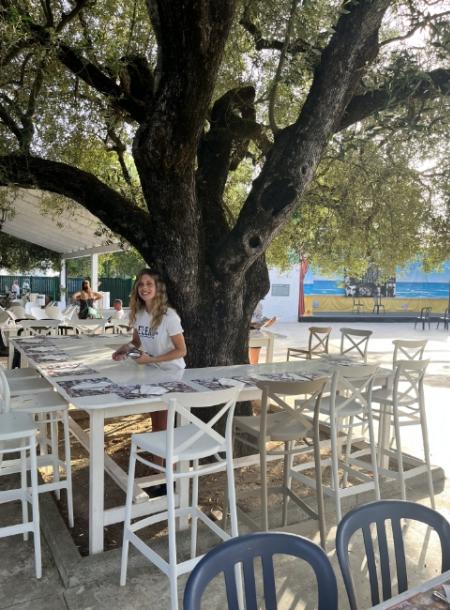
72,582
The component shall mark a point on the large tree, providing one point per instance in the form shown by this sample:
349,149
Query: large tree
181,91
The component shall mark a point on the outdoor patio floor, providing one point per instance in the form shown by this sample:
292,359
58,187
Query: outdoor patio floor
72,582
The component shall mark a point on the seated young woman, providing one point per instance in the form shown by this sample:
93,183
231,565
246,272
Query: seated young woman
157,331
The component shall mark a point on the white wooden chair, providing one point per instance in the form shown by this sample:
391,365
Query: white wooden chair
288,427
347,406
190,442
317,344
18,435
404,405
355,342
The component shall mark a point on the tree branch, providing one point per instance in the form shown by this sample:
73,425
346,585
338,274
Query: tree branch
111,208
297,149
424,86
293,48
277,77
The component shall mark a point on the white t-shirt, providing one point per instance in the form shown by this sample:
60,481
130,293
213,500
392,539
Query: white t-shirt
118,314
157,342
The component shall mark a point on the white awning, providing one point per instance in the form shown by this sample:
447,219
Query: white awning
72,233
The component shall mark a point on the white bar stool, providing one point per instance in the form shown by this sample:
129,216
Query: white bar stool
190,442
18,435
48,409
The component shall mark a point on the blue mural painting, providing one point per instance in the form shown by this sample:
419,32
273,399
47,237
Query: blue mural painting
412,282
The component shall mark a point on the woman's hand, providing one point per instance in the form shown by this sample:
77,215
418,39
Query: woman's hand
146,359
121,353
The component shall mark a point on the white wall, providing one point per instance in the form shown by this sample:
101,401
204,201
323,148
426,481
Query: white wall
284,307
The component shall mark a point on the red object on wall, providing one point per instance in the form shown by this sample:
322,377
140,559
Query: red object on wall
304,265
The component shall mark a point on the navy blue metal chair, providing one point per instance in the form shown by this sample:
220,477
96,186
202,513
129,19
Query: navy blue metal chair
377,513
264,545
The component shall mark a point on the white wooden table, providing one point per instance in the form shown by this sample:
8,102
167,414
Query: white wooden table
266,339
426,588
94,352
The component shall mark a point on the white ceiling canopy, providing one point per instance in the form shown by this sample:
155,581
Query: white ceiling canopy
72,231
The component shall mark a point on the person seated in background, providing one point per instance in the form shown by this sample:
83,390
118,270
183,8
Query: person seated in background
119,312
15,290
258,321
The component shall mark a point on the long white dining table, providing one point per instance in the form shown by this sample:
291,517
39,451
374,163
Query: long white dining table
82,371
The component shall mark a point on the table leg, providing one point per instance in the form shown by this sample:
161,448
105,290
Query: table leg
96,480
269,349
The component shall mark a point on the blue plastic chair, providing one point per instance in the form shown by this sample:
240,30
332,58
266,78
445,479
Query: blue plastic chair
264,545
377,513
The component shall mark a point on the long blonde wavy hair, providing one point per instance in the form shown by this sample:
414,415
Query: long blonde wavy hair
160,302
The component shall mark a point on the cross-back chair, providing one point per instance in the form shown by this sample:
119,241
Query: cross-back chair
403,405
408,350
319,338
345,408
288,427
355,342
190,442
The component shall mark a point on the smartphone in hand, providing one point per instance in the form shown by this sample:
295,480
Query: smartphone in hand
134,353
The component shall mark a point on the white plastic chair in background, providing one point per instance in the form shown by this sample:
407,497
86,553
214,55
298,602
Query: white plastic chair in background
190,442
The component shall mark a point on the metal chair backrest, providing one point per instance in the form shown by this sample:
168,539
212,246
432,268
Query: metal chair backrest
425,313
353,339
408,350
180,405
243,551
376,514
319,338
408,381
352,384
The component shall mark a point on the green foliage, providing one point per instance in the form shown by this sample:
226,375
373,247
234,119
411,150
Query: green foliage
117,264
18,256
366,205
382,191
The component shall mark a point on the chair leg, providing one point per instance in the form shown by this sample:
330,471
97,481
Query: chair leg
127,520
373,454
24,486
263,474
68,463
335,467
35,508
287,479
426,451
194,511
231,491
172,534
55,453
399,453
318,474
348,450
